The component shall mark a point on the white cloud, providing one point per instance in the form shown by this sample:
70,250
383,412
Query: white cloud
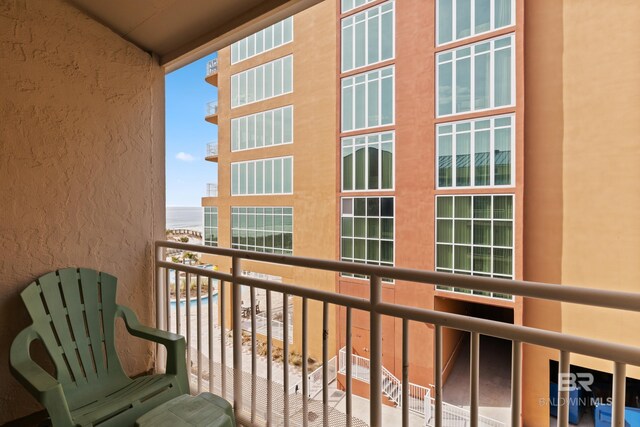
185,157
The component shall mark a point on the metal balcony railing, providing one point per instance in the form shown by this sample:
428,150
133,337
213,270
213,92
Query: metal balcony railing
211,108
212,66
257,399
212,190
212,149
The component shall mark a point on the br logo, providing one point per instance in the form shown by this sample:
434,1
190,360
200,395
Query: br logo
570,381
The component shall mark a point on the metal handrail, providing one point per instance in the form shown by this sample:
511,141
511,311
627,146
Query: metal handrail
565,343
212,149
211,108
212,190
212,66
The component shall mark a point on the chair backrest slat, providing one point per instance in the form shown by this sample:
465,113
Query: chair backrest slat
50,285
108,298
89,283
42,323
70,281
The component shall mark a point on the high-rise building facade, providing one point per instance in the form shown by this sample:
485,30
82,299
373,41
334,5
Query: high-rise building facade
394,133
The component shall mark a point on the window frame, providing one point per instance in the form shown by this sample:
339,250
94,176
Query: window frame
366,145
235,169
379,239
366,99
472,56
239,121
244,74
236,46
492,164
491,29
367,21
471,272
265,248
204,225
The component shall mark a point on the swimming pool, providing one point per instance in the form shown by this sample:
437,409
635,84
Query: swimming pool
194,301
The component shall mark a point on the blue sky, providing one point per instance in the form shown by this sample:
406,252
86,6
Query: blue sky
187,134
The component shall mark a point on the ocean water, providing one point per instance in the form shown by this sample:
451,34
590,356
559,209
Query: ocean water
185,217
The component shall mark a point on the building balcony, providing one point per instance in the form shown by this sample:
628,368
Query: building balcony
212,151
212,72
223,345
211,112
212,190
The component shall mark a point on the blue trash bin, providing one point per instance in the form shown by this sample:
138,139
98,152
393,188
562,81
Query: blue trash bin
602,416
576,409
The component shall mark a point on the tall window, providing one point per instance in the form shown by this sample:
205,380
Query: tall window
265,81
367,230
476,153
459,19
474,235
262,229
271,37
368,99
347,5
263,129
476,77
211,226
262,177
368,37
367,162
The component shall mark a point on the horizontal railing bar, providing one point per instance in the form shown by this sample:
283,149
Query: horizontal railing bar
563,293
560,341
195,270
574,344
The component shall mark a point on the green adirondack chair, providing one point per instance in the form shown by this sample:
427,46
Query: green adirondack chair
74,312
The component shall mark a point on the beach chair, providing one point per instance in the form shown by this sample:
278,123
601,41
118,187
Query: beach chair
73,313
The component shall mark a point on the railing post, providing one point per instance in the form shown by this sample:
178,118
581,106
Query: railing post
375,338
619,383
161,303
563,391
516,383
349,367
438,374
236,296
475,377
404,401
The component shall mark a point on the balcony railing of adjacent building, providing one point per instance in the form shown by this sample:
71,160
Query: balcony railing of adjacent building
212,190
211,108
212,66
212,149
257,399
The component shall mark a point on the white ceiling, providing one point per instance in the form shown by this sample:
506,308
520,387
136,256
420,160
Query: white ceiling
174,29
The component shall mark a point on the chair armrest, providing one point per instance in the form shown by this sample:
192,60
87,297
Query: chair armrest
175,344
46,389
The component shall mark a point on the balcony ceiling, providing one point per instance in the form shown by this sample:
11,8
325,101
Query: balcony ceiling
174,28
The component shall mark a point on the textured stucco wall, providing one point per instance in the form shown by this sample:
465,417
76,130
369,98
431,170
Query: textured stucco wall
81,166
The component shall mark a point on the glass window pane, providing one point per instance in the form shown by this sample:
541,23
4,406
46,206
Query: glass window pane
360,227
463,206
268,80
360,168
372,104
503,261
288,74
462,231
347,227
463,18
387,228
444,232
347,248
502,156
347,48
373,37
462,257
502,71
481,81
268,177
347,168
482,16
445,168
288,30
373,228
445,20
288,125
463,159
503,233
360,206
444,256
373,168
251,132
360,106
386,207
288,176
277,78
444,207
482,207
482,260
502,13
268,128
243,178
387,166
482,233
259,177
502,207
387,36
386,251
463,85
277,176
387,101
251,179
277,128
445,82
482,157
360,44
